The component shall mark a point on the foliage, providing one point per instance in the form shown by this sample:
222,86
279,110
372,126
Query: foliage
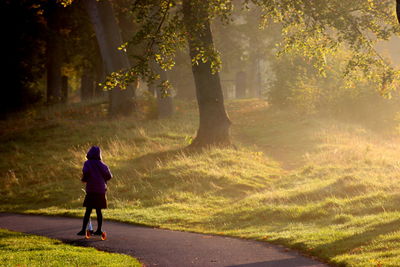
298,86
162,34
28,42
24,54
314,29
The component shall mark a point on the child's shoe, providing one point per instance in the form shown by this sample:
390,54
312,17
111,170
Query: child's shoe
98,232
82,232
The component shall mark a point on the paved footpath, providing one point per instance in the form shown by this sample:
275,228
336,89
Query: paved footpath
157,247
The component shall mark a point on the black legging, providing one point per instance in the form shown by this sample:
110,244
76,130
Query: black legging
87,216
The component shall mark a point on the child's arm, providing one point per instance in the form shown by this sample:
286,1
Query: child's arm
84,179
107,174
84,174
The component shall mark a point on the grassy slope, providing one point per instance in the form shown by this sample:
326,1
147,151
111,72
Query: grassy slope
18,249
322,186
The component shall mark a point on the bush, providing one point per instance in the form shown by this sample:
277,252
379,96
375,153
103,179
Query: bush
298,86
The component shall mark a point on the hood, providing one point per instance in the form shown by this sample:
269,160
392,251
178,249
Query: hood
94,153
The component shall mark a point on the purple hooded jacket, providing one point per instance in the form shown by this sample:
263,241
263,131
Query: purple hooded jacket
95,172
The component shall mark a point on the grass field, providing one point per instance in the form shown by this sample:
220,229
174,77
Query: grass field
328,188
18,249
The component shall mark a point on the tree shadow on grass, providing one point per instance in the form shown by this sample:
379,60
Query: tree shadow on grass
151,160
153,183
281,135
346,245
53,199
156,180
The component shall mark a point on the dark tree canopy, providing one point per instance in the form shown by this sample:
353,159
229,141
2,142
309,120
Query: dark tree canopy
32,28
24,51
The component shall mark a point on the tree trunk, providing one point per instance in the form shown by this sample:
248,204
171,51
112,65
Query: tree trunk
241,84
214,122
87,86
398,10
53,66
165,104
258,82
109,39
99,73
64,89
252,77
255,54
53,55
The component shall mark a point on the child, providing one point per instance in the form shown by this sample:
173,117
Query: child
95,175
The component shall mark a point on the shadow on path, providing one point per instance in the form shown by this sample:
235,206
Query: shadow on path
276,263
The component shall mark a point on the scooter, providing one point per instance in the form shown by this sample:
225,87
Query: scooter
90,232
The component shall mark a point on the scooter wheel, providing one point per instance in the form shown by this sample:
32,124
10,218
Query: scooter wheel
103,236
87,236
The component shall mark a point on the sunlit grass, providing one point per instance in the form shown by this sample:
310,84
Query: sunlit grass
17,249
328,188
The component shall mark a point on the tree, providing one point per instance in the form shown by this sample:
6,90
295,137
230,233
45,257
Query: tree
24,54
165,106
315,29
241,84
178,25
181,77
81,51
109,39
54,52
69,46
87,85
243,47
214,122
